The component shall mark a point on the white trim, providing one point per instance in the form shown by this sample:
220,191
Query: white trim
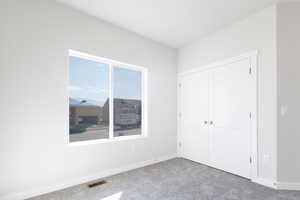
287,186
179,139
145,102
105,60
111,110
219,63
80,180
252,57
265,182
144,88
101,141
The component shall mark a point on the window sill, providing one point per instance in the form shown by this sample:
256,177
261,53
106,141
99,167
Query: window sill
101,141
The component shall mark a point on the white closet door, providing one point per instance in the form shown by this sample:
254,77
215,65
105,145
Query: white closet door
194,116
230,136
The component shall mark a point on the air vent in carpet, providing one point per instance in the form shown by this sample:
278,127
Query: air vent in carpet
97,183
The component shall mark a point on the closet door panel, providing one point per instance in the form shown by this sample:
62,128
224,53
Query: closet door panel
230,126
194,117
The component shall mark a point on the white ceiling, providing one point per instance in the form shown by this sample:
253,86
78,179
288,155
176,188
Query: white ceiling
171,22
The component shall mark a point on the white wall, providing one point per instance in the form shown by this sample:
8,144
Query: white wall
34,40
288,40
257,32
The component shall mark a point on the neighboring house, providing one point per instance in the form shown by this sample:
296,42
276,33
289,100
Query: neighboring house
127,112
84,113
88,114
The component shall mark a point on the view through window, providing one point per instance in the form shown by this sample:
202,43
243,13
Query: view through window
127,102
101,92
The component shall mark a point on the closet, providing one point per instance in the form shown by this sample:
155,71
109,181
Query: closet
217,109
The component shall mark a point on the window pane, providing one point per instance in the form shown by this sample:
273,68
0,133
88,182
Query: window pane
88,99
127,102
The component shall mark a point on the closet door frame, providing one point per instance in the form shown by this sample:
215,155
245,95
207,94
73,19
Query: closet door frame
252,56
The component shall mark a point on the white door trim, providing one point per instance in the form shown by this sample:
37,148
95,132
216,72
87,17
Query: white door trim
253,58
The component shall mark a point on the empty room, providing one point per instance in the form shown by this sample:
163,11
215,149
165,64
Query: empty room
149,100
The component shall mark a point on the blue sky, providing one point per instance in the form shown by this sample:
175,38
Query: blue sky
127,83
89,80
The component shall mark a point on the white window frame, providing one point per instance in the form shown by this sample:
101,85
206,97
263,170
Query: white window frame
144,88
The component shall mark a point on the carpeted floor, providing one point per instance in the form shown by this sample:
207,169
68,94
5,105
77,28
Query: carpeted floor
176,179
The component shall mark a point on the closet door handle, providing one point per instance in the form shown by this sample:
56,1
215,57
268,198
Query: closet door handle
211,122
205,122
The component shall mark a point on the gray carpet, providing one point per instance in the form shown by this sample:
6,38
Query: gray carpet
176,179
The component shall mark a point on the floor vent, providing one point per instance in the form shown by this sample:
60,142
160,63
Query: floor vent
97,183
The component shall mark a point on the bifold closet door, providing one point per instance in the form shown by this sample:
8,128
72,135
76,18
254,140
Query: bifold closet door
230,131
194,103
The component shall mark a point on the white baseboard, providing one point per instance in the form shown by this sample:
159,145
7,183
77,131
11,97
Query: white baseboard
59,186
277,185
265,182
288,186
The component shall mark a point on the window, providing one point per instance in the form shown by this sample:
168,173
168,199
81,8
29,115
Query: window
106,99
127,101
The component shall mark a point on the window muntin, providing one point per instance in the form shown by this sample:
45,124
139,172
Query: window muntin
107,91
